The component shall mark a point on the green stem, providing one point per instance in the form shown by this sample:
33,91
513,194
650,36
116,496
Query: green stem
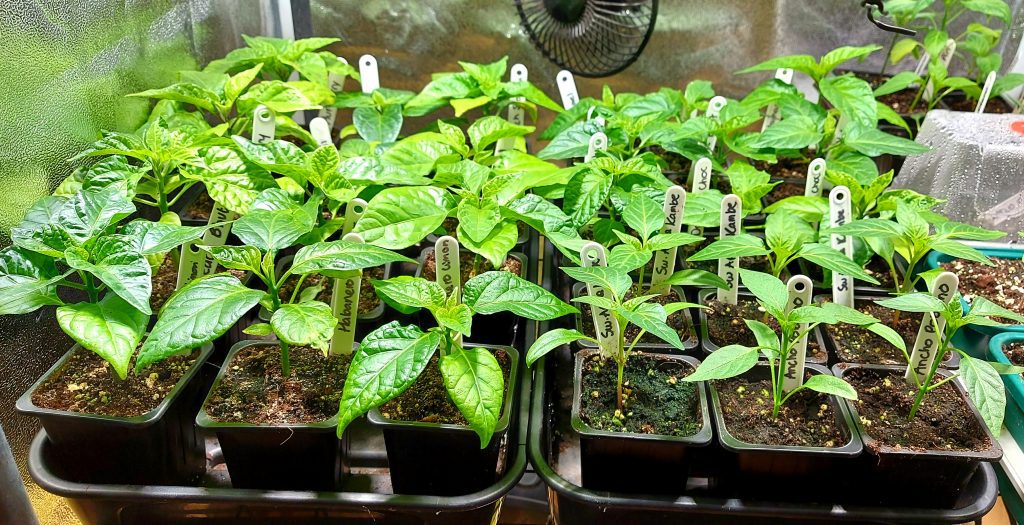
295,292
90,287
620,362
286,365
161,181
924,386
888,52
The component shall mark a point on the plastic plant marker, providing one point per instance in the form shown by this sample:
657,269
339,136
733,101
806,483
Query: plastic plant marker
701,182
337,85
986,92
368,74
353,211
599,120
446,263
665,260
729,268
567,89
799,287
605,324
930,333
598,141
772,114
516,114
715,107
839,214
815,178
263,125
321,131
345,305
922,65
945,57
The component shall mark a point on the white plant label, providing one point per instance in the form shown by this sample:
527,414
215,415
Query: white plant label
447,270
665,260
715,107
772,114
567,89
1007,210
605,324
729,268
701,182
345,305
599,120
598,142
839,214
929,335
321,131
986,92
799,287
516,113
353,212
264,125
337,84
815,178
368,74
945,56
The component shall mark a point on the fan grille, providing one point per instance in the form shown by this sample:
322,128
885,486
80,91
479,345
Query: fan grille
607,37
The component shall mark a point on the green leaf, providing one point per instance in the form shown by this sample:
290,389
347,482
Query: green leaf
982,307
27,281
493,292
397,218
119,266
872,142
856,165
186,92
742,245
918,302
834,260
259,329
665,241
478,219
853,97
766,337
897,83
585,193
237,84
628,257
158,237
496,246
112,328
553,339
838,56
694,277
831,385
273,230
230,179
810,209
959,230
865,228
414,292
612,279
797,132
959,250
769,290
278,96
802,63
995,8
490,129
572,142
476,385
651,317
985,389
378,126
439,91
245,258
340,256
644,215
728,361
388,361
304,324
196,314
457,317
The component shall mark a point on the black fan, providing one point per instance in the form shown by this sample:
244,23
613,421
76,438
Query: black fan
591,38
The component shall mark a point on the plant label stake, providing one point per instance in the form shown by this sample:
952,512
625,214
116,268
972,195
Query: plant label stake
263,125
598,141
605,324
337,84
567,89
345,305
665,260
799,287
986,92
353,212
815,178
599,120
368,74
447,269
516,114
729,267
701,182
772,113
929,334
321,131
945,56
715,107
839,214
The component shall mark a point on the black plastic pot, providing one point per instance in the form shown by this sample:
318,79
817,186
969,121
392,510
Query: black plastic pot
710,346
442,459
107,449
689,343
634,462
276,457
186,201
940,477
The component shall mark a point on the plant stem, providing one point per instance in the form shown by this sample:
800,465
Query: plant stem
620,361
161,181
286,365
923,388
90,287
298,286
888,52
620,365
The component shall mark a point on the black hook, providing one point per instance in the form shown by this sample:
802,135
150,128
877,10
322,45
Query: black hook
882,25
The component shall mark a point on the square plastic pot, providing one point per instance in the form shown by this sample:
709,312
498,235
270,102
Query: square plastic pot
633,462
159,447
939,476
1014,420
689,343
276,457
440,459
935,259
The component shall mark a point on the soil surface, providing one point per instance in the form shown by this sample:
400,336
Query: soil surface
785,169
807,419
943,422
726,326
1015,353
200,208
676,162
1002,284
165,281
677,320
253,390
368,299
786,189
466,260
995,105
858,345
87,384
655,398
899,101
427,400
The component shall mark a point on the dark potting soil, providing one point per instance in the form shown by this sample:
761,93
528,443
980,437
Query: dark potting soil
427,400
676,162
368,299
165,281
200,208
808,419
677,320
1002,284
858,345
995,105
726,326
87,384
466,260
253,390
785,169
944,421
899,101
785,190
1015,353
656,400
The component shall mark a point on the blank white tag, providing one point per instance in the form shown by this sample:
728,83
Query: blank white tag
799,287
665,260
839,214
598,141
447,270
701,182
337,84
929,335
567,89
729,268
815,178
986,92
605,324
772,113
715,107
321,131
345,305
368,74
